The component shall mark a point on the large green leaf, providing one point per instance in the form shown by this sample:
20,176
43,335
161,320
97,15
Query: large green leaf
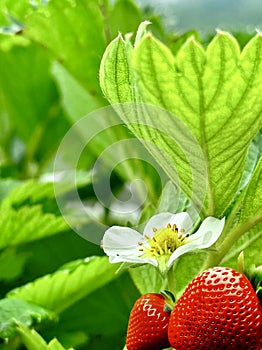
252,195
211,91
15,311
68,285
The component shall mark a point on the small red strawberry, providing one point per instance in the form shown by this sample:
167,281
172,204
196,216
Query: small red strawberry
218,310
148,323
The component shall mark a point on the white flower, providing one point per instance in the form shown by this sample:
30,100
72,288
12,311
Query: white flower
166,237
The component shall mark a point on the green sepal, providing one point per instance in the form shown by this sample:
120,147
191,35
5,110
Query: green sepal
170,300
168,308
254,274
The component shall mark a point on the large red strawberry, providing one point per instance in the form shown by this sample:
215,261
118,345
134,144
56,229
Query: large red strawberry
148,323
218,310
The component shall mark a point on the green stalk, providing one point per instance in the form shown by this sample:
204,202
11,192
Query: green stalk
214,258
168,279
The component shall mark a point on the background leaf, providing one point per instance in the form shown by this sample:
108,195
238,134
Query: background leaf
22,221
15,311
77,49
66,286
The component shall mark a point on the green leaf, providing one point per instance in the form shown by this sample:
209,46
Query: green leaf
117,86
176,41
97,322
76,100
211,91
118,306
15,311
27,224
64,287
30,212
48,254
27,105
254,152
58,26
103,135
23,218
187,267
11,11
7,185
174,201
146,278
12,264
124,17
251,198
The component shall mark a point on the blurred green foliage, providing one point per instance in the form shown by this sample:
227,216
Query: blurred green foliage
50,52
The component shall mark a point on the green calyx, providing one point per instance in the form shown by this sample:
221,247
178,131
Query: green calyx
170,300
254,275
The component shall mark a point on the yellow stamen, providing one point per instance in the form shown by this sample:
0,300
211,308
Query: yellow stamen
164,242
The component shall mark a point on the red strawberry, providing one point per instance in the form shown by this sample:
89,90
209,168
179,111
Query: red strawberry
218,310
148,323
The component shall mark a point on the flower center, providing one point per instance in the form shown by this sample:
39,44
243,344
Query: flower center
164,242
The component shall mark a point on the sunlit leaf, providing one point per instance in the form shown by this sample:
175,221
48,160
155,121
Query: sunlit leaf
66,286
211,91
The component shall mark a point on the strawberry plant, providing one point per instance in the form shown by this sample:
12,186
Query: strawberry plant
130,172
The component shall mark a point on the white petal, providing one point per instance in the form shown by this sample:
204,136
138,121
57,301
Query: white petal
121,245
182,220
205,237
132,259
182,250
125,237
208,232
